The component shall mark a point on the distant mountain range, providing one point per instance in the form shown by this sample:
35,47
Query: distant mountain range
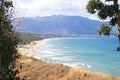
64,25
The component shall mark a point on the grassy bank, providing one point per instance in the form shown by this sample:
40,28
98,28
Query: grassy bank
34,69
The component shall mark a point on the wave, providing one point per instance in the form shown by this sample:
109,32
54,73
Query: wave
86,53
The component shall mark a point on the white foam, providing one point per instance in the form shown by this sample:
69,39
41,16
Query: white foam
69,64
65,47
89,66
49,53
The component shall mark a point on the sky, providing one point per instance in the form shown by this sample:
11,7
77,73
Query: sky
33,8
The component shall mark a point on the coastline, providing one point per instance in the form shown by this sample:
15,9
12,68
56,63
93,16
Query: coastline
28,51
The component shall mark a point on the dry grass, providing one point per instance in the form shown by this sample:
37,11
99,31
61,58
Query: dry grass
34,69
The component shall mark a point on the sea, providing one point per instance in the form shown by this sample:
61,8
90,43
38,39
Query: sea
97,54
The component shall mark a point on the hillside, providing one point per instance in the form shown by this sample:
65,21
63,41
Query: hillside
64,25
26,38
34,69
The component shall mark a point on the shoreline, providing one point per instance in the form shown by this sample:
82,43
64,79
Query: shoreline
28,51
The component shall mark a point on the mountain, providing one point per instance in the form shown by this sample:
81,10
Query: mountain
65,25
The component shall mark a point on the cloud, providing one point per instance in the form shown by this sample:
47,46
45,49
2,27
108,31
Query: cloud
32,8
49,7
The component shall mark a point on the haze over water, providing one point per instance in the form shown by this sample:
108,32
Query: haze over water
94,54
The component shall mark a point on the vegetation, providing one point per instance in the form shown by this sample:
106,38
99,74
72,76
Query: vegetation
8,43
104,11
26,38
46,71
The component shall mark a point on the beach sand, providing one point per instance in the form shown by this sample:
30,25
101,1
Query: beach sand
33,69
28,49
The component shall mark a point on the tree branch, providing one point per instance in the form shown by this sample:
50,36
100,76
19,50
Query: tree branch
114,34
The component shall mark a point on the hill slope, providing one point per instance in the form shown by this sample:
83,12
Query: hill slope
34,69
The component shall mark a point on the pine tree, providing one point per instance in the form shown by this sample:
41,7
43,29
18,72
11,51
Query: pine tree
8,42
105,11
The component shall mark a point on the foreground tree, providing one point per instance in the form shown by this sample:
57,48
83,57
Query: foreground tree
8,43
104,11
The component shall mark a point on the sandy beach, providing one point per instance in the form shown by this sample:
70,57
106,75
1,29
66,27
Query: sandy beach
28,49
45,71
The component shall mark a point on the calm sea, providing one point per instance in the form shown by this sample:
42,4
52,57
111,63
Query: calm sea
94,54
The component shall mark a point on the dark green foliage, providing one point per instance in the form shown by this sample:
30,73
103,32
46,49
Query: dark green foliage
102,9
104,30
108,0
94,5
105,11
113,21
26,38
8,43
102,14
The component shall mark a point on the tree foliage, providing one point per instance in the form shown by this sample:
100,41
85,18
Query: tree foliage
104,30
105,11
8,43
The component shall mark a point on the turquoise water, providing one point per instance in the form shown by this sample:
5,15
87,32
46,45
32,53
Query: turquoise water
94,54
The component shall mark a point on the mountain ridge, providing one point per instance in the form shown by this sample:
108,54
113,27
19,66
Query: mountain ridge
59,24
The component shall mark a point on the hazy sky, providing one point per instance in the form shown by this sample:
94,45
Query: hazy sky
32,8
